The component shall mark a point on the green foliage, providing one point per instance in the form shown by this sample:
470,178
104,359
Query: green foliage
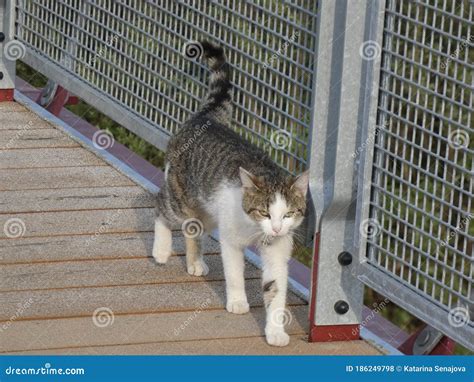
30,75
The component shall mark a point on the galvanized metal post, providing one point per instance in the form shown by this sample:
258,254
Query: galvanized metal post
344,101
7,50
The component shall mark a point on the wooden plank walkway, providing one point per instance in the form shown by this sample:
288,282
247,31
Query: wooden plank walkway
76,273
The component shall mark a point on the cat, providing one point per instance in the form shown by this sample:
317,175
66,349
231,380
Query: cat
216,179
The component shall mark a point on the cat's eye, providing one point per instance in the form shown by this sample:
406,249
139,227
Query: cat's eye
289,214
265,214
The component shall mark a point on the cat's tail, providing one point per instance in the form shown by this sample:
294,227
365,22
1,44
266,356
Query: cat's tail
219,97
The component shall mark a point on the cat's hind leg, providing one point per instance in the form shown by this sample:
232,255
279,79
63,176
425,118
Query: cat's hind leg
162,244
165,216
194,259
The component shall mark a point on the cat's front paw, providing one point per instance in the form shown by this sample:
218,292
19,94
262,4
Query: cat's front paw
277,337
198,268
161,257
238,307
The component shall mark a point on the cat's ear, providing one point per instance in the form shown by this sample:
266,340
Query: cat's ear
248,179
301,182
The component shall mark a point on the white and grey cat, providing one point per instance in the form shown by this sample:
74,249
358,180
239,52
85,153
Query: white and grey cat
214,178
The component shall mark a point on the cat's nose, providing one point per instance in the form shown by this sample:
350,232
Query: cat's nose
276,230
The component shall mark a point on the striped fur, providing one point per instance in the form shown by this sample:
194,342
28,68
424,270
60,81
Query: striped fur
219,98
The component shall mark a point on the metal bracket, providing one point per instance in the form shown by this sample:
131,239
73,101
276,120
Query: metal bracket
427,340
48,93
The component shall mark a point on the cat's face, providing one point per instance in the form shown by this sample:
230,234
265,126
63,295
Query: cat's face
277,208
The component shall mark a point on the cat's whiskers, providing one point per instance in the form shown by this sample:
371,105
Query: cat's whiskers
290,239
256,237
298,235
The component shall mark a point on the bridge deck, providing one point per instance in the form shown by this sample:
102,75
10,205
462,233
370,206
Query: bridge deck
76,274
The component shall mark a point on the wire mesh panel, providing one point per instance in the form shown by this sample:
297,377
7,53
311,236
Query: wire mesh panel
131,52
422,187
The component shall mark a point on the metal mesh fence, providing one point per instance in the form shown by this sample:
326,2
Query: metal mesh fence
422,186
131,52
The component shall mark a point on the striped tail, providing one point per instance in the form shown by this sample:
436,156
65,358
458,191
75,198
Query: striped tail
219,98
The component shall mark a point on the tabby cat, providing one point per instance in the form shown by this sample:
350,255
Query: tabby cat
216,179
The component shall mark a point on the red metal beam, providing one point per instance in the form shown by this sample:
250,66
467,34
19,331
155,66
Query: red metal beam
6,95
325,333
59,100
